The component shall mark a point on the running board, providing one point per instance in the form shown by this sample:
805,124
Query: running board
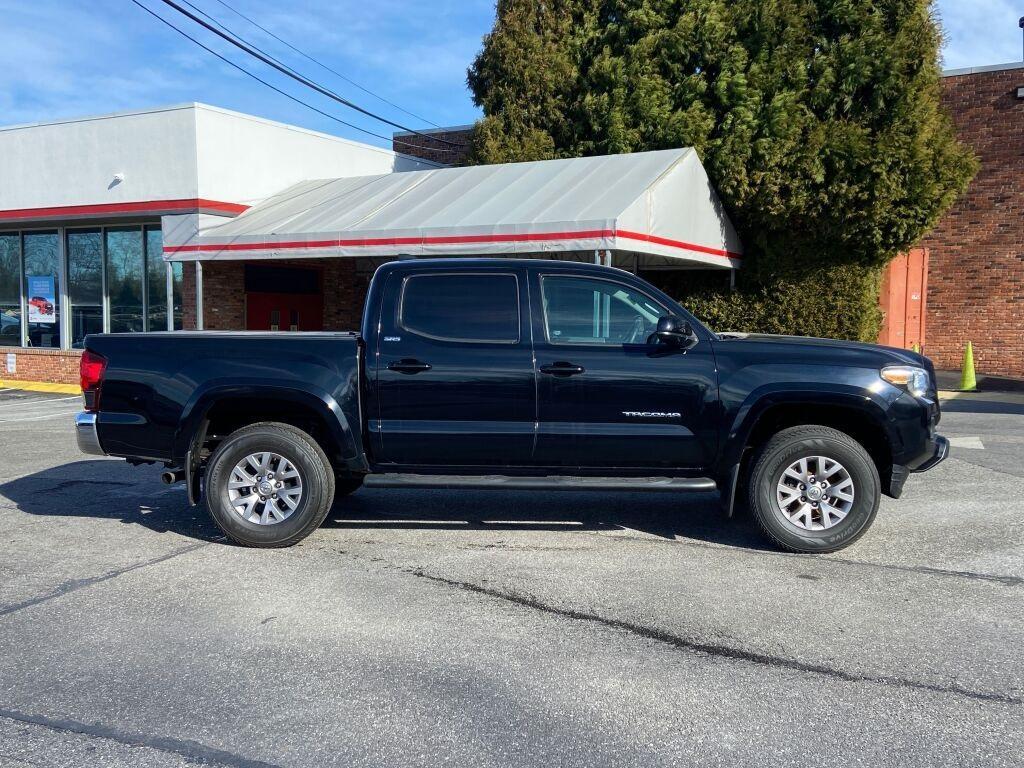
548,483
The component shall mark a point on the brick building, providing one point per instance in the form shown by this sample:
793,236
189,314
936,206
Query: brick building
975,288
447,145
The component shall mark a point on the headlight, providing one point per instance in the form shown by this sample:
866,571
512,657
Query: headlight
911,378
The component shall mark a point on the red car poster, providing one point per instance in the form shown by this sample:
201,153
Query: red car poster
41,299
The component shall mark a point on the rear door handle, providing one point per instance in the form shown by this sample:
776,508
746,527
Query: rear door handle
408,365
562,369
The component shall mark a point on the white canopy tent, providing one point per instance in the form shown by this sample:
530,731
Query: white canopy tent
657,206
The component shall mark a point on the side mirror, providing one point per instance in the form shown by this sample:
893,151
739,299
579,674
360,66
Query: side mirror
674,331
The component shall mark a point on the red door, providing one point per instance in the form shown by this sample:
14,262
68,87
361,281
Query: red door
284,312
903,299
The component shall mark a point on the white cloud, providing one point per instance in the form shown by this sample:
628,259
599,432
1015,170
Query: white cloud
980,32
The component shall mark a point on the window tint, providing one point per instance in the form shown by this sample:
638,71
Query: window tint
461,307
125,267
580,310
10,290
85,283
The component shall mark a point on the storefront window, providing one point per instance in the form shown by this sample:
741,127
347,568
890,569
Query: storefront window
125,262
85,283
156,277
42,288
10,289
177,273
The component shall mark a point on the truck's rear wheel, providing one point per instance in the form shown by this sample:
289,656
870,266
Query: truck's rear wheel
814,489
269,485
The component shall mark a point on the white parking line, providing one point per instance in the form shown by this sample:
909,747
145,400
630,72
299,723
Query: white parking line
971,443
61,415
37,401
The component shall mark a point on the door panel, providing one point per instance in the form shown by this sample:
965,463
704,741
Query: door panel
454,371
606,398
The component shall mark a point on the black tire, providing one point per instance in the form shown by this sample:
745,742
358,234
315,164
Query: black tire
303,452
789,446
345,485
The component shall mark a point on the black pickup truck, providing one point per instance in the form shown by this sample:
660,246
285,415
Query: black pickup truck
516,374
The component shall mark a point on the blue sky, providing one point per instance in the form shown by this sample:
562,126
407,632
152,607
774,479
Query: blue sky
62,58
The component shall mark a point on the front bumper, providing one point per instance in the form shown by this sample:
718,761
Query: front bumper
938,451
86,434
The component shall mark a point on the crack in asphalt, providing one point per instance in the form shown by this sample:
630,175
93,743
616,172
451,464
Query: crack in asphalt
192,751
73,585
1007,580
711,649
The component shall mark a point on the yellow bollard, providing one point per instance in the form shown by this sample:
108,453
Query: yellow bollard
968,383
915,347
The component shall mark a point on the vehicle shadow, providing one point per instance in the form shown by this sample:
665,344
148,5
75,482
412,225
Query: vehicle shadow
110,490
666,514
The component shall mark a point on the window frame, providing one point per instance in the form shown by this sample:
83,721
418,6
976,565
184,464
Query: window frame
597,278
400,312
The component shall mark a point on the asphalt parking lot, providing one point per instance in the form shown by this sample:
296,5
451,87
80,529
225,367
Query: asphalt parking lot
489,629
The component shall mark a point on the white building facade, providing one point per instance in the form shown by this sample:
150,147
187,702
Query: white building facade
85,204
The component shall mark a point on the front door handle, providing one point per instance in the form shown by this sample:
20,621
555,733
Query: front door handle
408,365
562,369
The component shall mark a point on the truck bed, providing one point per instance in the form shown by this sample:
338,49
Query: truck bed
157,387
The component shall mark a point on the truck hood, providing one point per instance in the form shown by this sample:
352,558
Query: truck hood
898,355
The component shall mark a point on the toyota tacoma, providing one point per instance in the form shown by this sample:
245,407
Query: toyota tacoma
516,375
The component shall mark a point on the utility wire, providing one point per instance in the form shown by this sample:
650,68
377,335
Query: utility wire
292,70
301,78
320,64
272,87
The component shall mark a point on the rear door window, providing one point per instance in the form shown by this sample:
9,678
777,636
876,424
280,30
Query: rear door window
461,307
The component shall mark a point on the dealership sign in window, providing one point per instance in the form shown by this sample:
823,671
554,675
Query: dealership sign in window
41,299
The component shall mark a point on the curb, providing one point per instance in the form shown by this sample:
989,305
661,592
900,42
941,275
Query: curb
982,397
40,386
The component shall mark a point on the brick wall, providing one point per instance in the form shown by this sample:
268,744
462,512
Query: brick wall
55,366
224,293
431,146
976,269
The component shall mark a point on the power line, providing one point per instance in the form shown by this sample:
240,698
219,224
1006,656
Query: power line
319,63
272,87
292,70
285,70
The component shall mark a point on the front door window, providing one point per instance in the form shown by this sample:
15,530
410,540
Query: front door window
588,311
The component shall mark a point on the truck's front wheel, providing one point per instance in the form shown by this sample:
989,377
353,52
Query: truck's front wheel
814,489
269,485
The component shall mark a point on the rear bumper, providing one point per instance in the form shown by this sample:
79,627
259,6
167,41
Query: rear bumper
938,451
86,434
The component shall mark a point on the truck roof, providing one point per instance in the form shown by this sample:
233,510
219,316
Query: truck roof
461,262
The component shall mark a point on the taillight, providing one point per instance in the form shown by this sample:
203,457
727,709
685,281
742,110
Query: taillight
91,377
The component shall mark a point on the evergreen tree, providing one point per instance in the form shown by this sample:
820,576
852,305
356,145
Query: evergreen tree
818,121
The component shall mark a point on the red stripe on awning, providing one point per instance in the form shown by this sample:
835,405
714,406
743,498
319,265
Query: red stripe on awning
450,240
679,244
192,204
